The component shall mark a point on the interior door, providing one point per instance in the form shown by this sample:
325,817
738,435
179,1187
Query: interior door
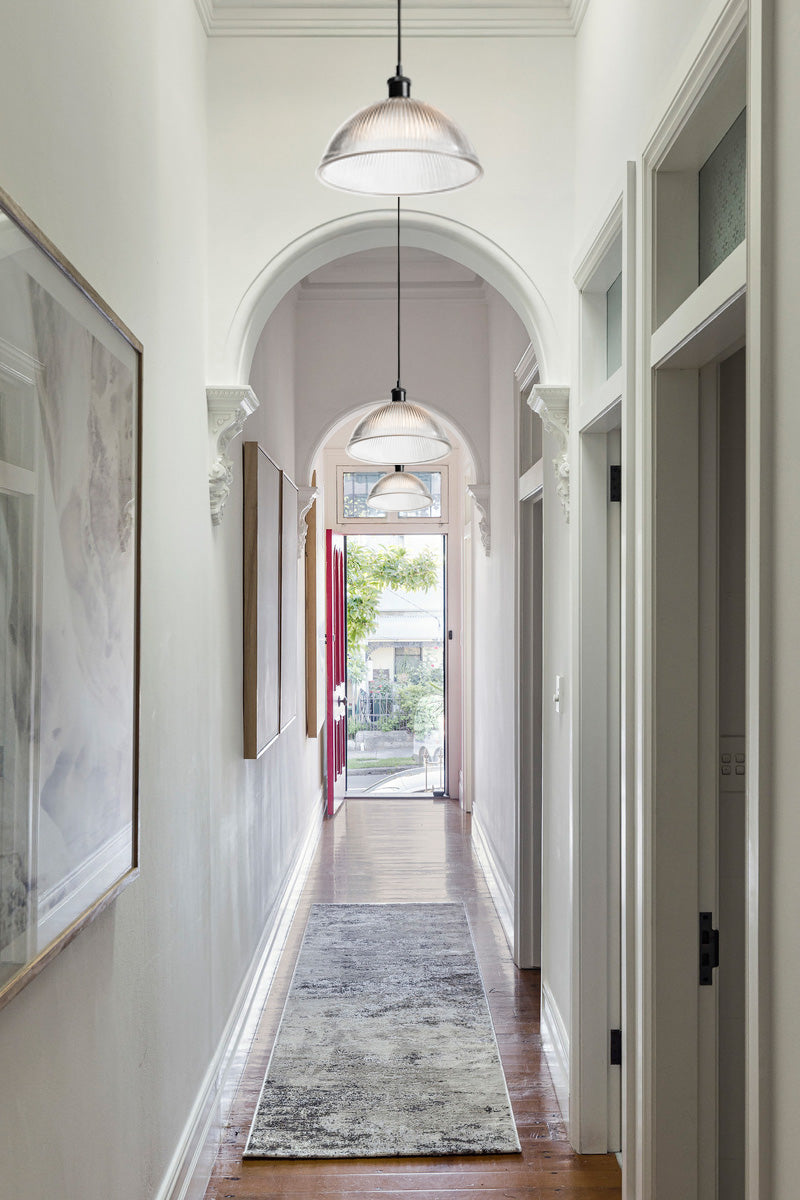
336,646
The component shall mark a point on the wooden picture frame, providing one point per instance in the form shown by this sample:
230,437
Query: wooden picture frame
289,511
262,597
70,498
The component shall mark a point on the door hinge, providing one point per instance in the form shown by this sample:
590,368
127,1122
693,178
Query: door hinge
709,949
615,1048
615,484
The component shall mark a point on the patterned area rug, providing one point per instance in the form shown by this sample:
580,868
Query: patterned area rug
386,1046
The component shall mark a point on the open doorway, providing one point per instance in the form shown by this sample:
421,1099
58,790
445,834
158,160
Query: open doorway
396,667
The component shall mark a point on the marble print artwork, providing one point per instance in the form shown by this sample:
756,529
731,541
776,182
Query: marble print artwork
68,385
386,1046
87,615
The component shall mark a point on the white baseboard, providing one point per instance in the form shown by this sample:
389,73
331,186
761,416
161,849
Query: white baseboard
555,1043
499,887
193,1161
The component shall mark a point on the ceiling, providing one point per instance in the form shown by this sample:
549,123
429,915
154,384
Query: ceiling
346,18
373,273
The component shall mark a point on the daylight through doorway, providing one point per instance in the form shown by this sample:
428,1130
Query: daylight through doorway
396,630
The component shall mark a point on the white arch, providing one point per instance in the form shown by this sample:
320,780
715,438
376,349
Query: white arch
377,228
450,426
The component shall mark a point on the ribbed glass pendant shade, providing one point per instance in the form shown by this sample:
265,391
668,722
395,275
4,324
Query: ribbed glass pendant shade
399,147
399,492
398,432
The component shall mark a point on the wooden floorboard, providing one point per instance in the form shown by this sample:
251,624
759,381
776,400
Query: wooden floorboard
394,850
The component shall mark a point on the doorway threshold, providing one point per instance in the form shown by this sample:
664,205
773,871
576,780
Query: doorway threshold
390,796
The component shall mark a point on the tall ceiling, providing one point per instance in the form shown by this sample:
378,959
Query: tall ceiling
346,18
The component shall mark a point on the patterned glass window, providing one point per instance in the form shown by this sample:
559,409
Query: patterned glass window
722,198
356,487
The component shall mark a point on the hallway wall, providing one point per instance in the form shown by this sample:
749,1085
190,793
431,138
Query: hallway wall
494,646
346,353
275,102
104,1054
638,48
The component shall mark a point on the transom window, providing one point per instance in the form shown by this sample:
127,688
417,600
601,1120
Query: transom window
354,487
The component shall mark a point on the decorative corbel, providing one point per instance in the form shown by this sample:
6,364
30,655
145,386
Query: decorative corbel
305,498
480,495
228,409
552,405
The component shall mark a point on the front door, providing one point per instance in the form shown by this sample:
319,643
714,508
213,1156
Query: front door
336,644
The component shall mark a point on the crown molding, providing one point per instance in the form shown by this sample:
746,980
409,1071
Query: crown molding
271,19
526,371
461,291
228,409
577,11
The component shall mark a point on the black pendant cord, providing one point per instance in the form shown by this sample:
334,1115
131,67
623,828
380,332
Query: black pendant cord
398,291
399,45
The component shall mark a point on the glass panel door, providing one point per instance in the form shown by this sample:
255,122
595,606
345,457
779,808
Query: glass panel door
396,622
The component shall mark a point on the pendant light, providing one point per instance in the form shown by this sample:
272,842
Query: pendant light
399,492
398,431
399,147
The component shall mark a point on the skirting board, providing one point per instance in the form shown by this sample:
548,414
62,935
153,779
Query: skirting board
555,1043
499,889
190,1170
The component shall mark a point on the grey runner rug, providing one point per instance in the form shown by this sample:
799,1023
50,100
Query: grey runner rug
386,1046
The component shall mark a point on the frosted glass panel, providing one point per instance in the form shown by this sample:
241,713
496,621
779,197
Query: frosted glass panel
614,327
723,179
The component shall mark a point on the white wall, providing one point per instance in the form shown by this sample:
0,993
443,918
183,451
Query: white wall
627,54
494,649
346,356
274,103
264,807
103,142
557,848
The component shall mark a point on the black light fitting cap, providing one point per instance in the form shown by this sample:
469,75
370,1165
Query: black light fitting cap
399,85
398,393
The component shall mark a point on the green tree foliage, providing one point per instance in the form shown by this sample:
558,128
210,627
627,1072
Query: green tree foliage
370,571
419,696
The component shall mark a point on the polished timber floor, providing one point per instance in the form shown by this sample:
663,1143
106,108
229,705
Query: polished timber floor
386,850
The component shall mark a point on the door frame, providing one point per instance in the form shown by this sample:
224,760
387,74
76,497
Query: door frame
602,1110
439,532
726,23
528,819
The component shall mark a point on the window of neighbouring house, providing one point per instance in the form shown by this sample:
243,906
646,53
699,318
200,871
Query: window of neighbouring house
406,660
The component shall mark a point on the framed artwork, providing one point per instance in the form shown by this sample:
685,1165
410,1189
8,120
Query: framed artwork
262,598
70,493
288,601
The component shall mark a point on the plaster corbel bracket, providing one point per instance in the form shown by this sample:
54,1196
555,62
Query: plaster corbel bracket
552,405
480,495
305,498
228,409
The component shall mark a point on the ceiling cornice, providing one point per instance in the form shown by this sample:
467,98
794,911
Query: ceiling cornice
270,18
418,290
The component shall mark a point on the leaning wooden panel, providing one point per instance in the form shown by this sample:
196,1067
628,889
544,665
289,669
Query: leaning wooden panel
70,489
262,592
